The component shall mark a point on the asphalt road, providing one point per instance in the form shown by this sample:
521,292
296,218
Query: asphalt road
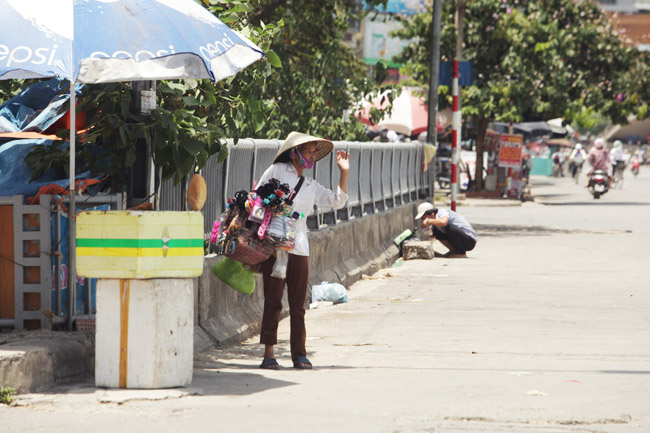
545,328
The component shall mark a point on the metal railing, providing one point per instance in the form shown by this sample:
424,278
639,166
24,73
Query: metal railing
382,176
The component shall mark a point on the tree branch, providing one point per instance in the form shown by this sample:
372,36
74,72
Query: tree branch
268,10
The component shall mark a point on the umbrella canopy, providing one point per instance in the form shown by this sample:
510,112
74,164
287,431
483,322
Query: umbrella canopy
100,41
560,142
409,116
530,130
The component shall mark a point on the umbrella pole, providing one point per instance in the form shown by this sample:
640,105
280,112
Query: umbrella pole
72,272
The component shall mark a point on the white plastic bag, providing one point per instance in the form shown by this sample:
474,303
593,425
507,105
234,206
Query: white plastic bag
280,266
330,292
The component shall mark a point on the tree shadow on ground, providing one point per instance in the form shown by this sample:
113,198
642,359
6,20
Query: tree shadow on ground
596,202
498,230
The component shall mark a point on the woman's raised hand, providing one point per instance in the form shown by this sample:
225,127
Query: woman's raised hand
343,160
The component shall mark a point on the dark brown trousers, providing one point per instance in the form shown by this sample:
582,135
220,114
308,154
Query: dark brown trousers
296,281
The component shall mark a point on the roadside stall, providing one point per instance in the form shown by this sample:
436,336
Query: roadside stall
491,149
143,260
541,154
510,151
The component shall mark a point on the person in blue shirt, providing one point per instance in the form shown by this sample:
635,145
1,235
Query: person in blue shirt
449,227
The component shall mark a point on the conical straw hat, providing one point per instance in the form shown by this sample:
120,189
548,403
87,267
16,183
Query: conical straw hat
295,139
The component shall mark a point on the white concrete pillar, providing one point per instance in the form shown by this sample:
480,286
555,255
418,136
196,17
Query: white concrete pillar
144,333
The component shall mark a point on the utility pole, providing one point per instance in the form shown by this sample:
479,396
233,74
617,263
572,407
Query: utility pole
456,103
432,125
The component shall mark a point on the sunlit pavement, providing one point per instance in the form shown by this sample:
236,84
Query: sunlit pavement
544,328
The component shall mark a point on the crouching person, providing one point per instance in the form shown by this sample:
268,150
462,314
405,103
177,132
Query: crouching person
449,227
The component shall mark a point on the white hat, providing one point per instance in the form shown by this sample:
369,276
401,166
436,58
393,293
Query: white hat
424,208
295,139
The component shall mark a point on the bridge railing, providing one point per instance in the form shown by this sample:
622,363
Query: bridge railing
382,176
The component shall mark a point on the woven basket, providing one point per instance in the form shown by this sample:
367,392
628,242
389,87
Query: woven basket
250,249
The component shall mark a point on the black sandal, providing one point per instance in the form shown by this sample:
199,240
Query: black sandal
302,363
269,364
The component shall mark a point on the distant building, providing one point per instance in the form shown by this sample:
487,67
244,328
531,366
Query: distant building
634,29
624,6
630,20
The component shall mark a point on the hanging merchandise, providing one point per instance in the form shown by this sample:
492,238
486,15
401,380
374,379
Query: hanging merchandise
282,231
255,224
235,236
282,228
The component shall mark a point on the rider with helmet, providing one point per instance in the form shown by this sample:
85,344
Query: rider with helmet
598,158
617,158
577,157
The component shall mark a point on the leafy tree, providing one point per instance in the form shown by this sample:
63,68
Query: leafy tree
590,123
306,82
321,78
191,123
10,88
533,60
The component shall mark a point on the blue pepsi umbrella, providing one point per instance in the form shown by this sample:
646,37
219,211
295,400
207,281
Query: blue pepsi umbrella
101,41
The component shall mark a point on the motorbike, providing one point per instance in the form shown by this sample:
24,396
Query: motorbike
598,183
443,172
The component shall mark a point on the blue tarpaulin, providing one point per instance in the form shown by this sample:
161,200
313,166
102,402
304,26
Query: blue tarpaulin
34,110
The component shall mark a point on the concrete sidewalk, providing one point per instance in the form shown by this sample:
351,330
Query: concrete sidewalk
33,361
544,329
39,360
553,341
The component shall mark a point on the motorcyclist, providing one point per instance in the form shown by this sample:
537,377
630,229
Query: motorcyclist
598,158
558,163
577,158
617,158
636,162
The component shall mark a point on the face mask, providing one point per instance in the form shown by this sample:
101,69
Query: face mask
304,162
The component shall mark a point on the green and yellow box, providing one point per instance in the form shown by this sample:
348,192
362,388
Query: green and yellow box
134,244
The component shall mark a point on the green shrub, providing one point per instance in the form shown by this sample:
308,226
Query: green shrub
6,394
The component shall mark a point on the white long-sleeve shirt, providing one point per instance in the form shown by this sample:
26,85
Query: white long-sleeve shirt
616,154
310,193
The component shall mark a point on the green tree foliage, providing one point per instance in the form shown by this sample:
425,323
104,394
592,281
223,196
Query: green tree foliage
533,60
321,79
10,88
308,81
191,123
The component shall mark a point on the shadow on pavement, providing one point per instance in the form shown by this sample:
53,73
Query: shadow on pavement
515,230
551,195
215,382
595,202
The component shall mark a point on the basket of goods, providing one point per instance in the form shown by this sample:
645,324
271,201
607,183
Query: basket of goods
255,224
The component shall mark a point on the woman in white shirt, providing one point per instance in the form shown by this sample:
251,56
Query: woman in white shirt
299,152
